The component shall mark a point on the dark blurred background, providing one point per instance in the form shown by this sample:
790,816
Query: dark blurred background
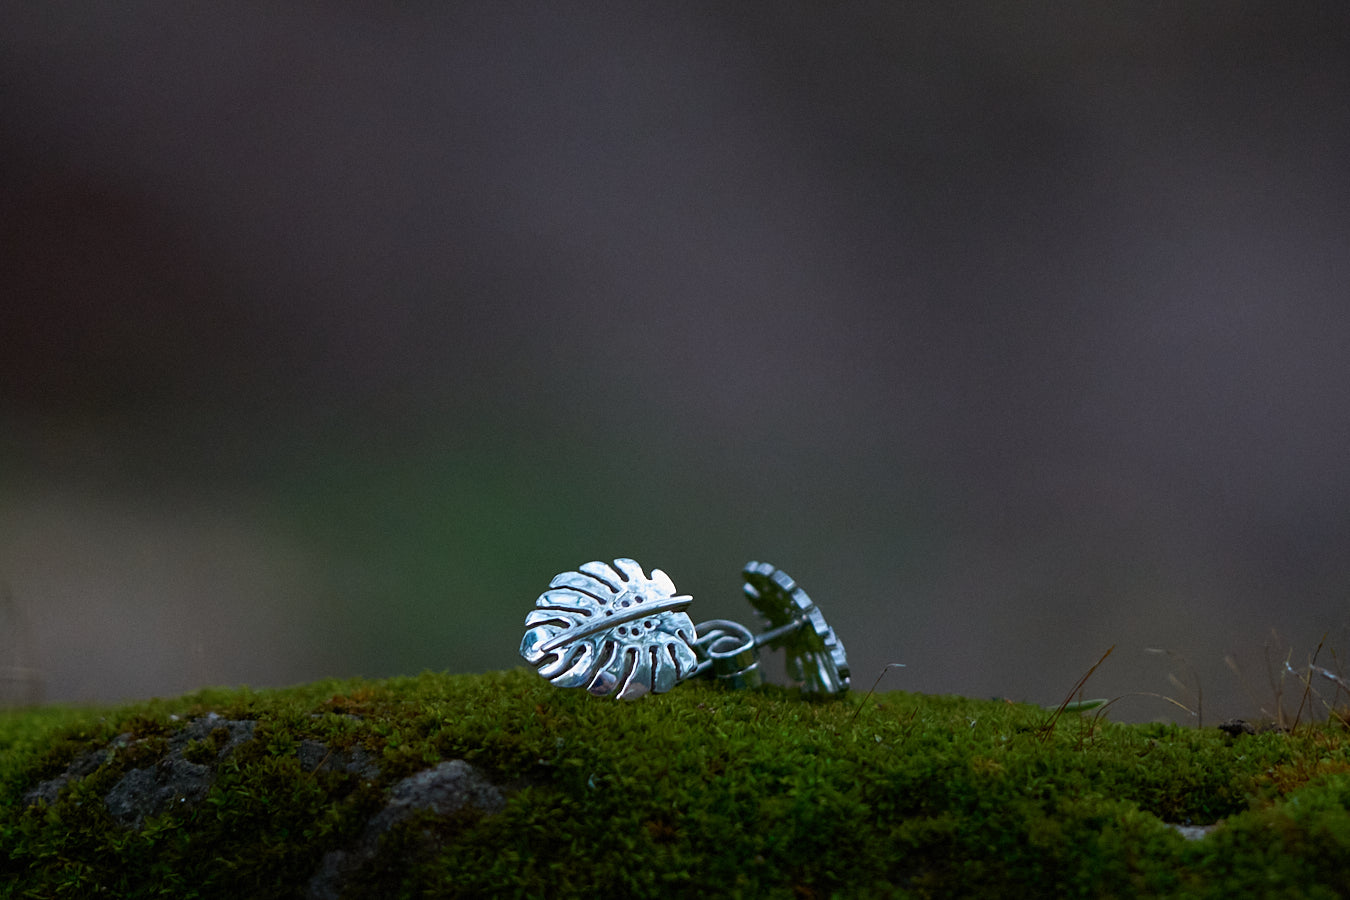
1013,331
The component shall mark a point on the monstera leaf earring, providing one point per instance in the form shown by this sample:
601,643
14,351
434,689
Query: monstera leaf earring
613,630
617,632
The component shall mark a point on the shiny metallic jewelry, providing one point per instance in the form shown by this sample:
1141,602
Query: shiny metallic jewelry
615,631
815,655
611,629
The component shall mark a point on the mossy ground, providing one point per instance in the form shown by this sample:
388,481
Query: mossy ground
695,792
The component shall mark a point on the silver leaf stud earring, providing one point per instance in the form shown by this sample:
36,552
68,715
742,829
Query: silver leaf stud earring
611,629
617,632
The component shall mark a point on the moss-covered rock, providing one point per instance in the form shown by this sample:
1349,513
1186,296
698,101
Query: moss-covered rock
500,785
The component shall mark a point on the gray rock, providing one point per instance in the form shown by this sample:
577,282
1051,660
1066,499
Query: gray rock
151,790
47,791
315,756
174,781
449,788
446,789
201,729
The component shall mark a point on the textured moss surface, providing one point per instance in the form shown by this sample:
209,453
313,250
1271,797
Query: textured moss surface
696,792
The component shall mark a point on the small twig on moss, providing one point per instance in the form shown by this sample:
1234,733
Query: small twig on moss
1172,700
1049,727
884,670
1199,711
1341,685
1277,684
1100,707
1307,682
1230,660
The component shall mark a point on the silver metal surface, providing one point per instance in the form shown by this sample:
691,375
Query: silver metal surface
815,655
729,653
616,632
612,630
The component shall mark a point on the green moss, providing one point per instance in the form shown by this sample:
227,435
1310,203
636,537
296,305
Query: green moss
695,792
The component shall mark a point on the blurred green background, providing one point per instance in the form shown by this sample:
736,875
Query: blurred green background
331,333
